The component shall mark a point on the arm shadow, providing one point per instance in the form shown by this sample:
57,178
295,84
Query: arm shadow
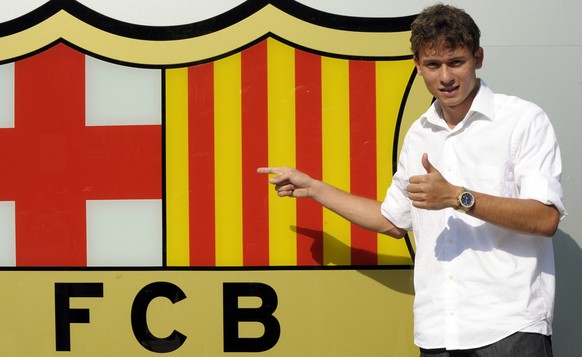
388,275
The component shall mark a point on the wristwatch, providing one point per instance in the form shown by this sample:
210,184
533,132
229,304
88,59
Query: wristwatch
466,200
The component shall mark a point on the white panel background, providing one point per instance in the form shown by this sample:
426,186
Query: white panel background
7,95
119,95
124,233
7,234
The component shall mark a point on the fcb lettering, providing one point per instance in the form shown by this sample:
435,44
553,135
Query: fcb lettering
233,314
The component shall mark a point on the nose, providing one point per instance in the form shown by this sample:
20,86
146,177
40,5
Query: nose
446,75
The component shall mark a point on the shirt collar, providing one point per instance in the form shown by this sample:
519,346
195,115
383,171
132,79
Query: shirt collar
482,104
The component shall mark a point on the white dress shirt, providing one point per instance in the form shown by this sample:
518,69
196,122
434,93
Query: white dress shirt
477,283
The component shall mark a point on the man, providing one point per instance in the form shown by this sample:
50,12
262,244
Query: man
478,181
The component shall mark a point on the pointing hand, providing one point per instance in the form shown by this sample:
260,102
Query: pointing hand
288,182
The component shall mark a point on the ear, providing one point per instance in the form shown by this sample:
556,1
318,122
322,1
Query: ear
479,58
417,65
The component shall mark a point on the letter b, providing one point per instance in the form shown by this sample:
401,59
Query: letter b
263,314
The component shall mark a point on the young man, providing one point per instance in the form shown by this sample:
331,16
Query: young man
478,181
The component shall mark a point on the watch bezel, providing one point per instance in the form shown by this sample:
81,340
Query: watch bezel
463,196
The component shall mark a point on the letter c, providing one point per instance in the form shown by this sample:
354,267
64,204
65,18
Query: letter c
139,317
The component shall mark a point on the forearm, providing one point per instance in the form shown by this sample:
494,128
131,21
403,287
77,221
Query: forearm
522,215
361,211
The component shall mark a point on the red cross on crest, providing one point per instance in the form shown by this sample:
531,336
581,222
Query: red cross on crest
52,163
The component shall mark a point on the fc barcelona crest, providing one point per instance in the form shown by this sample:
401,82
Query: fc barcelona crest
131,210
136,145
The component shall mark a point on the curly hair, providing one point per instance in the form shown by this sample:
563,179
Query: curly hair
444,26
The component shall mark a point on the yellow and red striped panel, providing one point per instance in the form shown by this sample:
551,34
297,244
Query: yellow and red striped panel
275,105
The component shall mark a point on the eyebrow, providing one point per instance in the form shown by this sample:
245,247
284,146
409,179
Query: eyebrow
434,59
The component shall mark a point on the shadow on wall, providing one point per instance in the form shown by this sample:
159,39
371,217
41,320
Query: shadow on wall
567,340
397,282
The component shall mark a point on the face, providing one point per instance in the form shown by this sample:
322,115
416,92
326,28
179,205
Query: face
451,77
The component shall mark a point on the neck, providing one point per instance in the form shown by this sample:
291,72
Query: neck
454,115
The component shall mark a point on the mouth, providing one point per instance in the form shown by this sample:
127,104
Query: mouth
449,90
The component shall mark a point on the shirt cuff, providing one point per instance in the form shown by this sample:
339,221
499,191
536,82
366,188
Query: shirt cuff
546,190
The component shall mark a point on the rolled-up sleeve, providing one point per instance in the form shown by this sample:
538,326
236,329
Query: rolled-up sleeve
538,163
396,206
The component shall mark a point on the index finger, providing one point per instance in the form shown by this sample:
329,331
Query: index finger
269,170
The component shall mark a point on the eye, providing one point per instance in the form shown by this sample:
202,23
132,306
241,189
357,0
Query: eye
456,63
431,65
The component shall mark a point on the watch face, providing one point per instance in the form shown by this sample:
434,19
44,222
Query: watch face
467,199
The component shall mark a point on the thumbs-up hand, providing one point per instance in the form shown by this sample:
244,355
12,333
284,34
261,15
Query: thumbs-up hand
427,165
431,191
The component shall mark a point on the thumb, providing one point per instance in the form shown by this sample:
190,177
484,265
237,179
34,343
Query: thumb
426,164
